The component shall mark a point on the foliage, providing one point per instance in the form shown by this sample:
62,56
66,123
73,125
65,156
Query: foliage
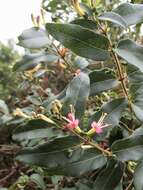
8,79
79,115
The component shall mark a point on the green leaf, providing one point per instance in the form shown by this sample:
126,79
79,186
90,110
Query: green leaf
129,149
136,86
36,128
51,154
114,110
29,61
109,178
77,93
138,176
36,178
85,23
114,18
3,107
136,90
134,74
82,161
80,62
119,187
131,52
33,38
131,13
63,156
101,80
81,41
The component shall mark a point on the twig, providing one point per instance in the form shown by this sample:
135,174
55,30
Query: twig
6,178
130,184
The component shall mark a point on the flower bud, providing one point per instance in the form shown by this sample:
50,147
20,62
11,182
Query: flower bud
77,7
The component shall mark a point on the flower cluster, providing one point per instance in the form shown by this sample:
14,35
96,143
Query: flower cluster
96,127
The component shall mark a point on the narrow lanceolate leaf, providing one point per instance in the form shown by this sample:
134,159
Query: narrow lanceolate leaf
63,156
77,93
29,61
131,52
33,38
114,18
51,154
101,80
138,176
110,178
129,149
131,13
36,128
80,40
136,90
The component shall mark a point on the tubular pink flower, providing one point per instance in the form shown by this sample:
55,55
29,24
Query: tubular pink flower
72,122
98,127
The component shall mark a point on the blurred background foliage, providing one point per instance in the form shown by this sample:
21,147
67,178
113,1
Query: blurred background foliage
8,79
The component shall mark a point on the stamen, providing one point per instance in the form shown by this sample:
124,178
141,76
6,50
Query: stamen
102,117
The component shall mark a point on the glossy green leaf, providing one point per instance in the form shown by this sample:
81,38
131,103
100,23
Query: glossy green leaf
129,149
136,90
85,23
33,38
131,13
138,176
29,61
131,52
82,161
36,128
81,41
37,178
114,18
109,178
51,154
63,156
77,93
101,80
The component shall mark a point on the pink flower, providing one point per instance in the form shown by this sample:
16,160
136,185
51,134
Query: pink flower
99,126
72,122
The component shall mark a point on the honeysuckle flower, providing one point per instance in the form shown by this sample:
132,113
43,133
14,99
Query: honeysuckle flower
72,123
97,127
